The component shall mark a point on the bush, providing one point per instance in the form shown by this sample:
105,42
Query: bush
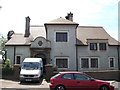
7,68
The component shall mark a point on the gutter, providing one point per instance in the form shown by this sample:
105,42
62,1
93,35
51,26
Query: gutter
118,57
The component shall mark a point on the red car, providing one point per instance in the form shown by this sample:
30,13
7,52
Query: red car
77,81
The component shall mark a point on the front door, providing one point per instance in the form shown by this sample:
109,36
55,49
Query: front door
40,55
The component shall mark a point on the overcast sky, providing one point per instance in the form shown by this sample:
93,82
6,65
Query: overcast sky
85,12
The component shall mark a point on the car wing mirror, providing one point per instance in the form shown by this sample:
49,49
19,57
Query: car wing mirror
92,79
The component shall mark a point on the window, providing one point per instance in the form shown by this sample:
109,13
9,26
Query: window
94,62
93,46
61,36
89,62
68,76
111,59
102,46
80,77
62,62
85,62
18,59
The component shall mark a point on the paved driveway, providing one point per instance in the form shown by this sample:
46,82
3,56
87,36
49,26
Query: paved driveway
14,85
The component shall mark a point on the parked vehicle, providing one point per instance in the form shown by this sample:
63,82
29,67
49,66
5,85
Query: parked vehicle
77,81
31,69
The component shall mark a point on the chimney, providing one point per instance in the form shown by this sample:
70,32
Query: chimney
69,16
27,27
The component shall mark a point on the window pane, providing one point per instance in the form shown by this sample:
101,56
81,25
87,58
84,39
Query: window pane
94,62
93,46
62,63
18,60
80,77
61,36
68,76
84,63
111,62
102,46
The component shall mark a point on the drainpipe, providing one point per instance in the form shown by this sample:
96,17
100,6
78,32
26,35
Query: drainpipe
118,49
76,58
118,57
14,54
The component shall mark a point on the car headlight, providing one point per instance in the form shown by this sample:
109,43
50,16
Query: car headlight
112,83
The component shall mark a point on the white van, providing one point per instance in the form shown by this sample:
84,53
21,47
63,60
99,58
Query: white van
31,69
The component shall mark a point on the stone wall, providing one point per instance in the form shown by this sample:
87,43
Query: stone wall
105,75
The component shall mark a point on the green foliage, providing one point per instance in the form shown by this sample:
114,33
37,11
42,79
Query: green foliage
2,43
7,64
7,68
2,47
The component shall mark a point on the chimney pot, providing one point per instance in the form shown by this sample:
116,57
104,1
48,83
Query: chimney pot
69,16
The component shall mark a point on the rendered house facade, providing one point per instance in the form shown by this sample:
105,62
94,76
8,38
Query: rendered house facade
66,45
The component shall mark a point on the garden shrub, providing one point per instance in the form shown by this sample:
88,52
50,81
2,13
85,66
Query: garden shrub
7,68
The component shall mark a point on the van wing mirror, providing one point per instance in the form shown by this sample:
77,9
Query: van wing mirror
41,68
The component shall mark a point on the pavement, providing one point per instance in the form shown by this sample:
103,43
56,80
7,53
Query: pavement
43,85
16,85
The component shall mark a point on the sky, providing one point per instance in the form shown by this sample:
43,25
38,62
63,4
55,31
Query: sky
85,12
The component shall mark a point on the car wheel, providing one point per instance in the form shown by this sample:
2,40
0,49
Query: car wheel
60,87
104,88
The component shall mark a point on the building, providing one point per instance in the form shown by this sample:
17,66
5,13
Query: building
66,45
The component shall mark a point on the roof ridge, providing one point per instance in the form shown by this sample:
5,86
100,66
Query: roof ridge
18,34
36,25
61,21
90,26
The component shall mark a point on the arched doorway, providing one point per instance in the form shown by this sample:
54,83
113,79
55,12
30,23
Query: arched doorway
43,56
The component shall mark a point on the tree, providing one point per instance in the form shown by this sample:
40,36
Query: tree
2,47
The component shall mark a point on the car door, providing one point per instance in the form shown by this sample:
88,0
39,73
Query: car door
68,81
84,82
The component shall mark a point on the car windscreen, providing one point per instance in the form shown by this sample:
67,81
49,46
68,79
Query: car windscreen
31,65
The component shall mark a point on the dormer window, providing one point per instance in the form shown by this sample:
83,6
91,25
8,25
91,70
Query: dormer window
93,46
102,46
61,36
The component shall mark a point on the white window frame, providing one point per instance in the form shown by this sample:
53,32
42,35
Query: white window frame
89,60
95,44
64,31
62,58
81,62
16,59
113,62
105,47
98,62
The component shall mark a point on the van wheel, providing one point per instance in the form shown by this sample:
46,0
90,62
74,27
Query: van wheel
21,82
60,87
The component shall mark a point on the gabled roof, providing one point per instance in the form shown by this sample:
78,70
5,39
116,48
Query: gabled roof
35,31
85,33
61,21
19,39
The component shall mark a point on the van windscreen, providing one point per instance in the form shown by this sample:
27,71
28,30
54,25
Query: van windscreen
31,65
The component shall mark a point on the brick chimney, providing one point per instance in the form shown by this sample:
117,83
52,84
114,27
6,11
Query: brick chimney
69,16
27,27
